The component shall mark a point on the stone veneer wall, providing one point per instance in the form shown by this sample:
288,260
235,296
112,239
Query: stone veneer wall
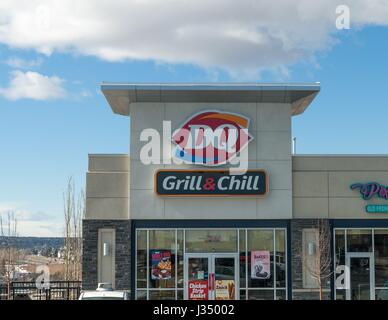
298,292
122,255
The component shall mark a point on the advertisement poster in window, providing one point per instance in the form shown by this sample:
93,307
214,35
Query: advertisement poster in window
198,290
260,265
161,265
225,290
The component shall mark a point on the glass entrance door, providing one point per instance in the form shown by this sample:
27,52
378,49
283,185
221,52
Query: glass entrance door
360,278
211,277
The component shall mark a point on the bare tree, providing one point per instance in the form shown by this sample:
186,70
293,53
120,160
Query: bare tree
10,255
74,211
320,266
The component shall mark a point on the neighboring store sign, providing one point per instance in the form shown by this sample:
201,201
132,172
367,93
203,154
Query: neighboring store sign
211,138
376,208
161,265
198,290
371,189
210,183
225,290
260,265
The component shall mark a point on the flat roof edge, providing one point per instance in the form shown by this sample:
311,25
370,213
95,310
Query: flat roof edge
121,95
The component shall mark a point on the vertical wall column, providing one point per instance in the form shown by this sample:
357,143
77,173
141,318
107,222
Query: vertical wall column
304,287
96,267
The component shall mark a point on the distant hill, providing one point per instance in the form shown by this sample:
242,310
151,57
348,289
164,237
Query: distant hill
29,243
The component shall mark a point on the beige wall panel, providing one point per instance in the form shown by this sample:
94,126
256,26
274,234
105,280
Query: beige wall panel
310,184
353,208
279,173
273,116
340,163
273,145
147,115
107,208
142,176
107,184
277,204
340,182
146,205
310,208
108,163
210,208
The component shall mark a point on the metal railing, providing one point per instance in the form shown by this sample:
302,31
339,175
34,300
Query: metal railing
28,290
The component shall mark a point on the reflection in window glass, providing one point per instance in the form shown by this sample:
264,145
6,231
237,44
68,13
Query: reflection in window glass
340,261
260,294
381,294
280,259
162,258
359,240
381,258
340,294
141,295
211,240
260,240
180,295
340,247
243,249
162,294
281,295
243,295
141,259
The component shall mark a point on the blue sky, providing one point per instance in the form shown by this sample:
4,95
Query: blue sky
45,140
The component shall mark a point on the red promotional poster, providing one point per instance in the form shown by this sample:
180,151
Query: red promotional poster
198,290
161,264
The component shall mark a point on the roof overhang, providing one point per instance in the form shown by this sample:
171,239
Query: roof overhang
121,95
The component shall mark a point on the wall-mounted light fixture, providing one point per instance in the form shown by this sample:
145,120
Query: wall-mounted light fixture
311,248
106,249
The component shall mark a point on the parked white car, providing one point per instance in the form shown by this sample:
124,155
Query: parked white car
104,292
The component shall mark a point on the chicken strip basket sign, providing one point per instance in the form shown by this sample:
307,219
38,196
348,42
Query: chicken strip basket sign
211,138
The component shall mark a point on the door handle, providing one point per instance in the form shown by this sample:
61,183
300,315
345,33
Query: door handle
211,286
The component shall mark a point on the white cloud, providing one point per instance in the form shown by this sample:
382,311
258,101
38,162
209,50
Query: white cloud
237,36
19,63
30,223
33,85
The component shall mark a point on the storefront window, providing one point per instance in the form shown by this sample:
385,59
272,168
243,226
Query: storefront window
261,295
280,258
162,295
141,294
142,259
161,255
340,254
381,294
359,250
180,259
162,249
243,250
211,240
381,258
359,240
260,244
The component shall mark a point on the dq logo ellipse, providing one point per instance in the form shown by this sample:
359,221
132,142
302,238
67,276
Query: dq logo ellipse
211,138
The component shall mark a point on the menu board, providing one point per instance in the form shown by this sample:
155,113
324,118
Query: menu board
224,290
198,290
161,264
260,265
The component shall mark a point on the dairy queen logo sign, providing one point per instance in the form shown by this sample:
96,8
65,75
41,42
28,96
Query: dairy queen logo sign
211,138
